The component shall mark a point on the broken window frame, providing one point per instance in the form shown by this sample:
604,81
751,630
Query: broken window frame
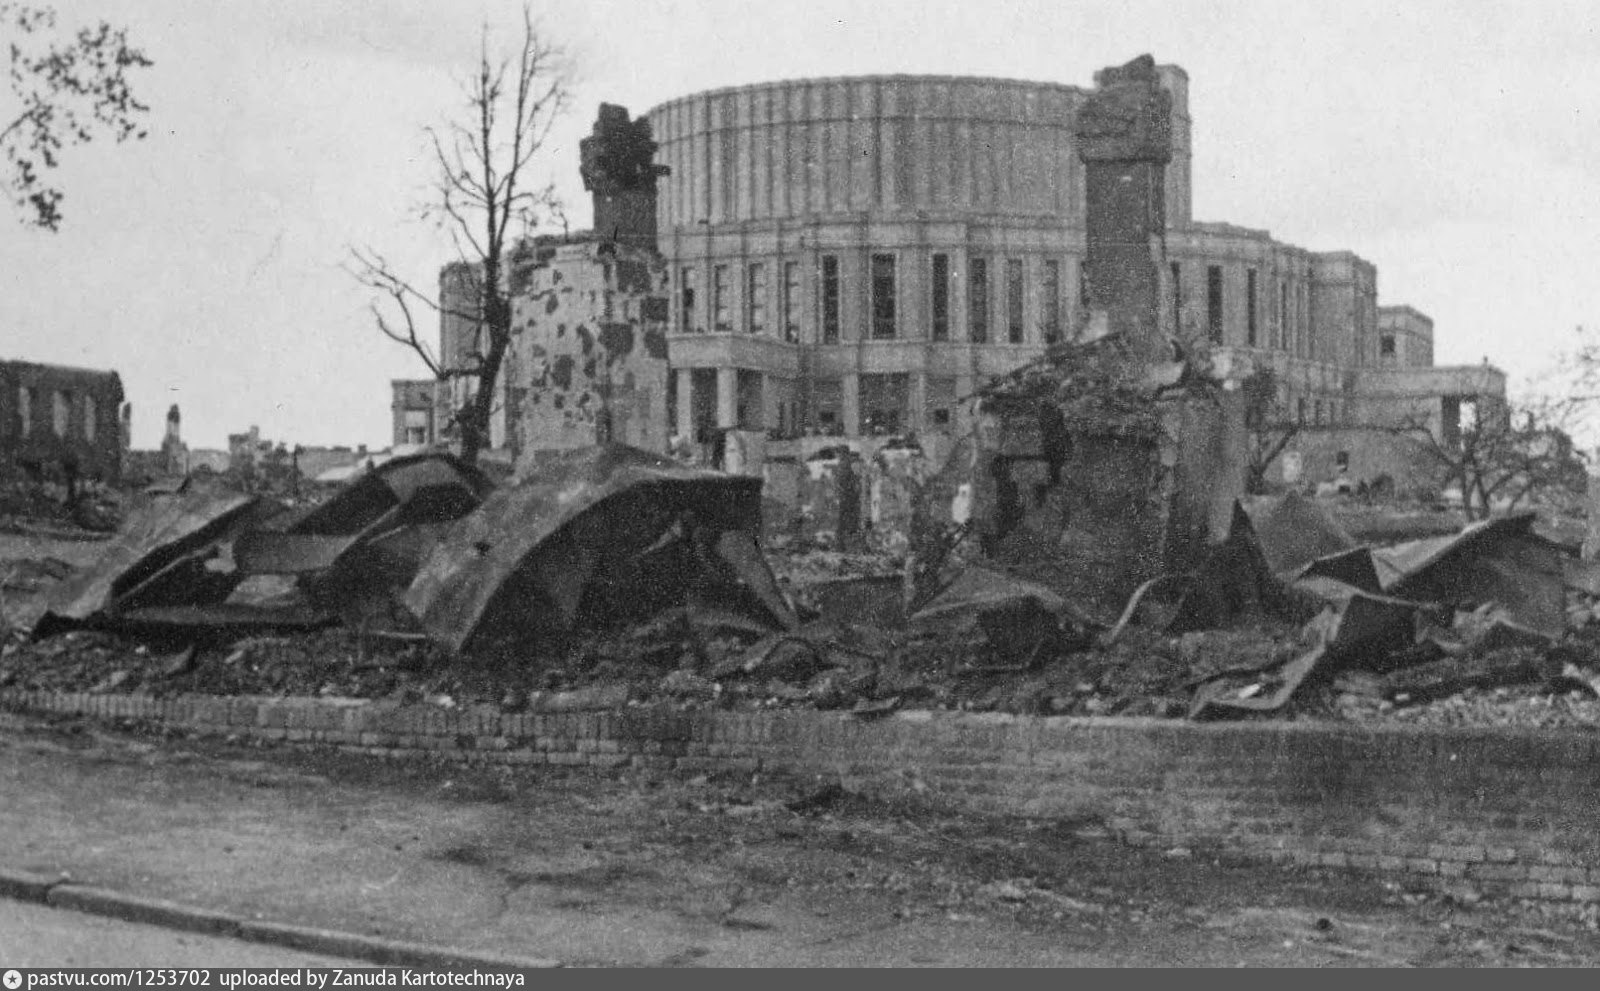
883,282
686,300
1215,304
1050,311
978,300
791,302
1016,295
831,298
756,298
1283,315
721,312
60,412
1251,309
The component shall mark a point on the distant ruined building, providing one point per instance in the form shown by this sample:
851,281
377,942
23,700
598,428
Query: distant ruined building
794,265
61,424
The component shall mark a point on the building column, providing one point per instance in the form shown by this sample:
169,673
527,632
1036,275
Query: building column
727,397
683,381
850,404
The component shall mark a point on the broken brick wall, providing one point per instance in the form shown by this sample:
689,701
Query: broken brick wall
1208,458
57,422
1432,806
1086,518
588,356
808,495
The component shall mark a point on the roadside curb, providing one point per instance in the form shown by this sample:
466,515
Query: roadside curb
61,893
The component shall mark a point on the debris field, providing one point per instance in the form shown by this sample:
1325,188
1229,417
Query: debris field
612,576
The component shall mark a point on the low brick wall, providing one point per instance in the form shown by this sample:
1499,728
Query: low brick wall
1513,813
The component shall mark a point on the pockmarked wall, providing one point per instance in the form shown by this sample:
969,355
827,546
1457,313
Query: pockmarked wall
588,356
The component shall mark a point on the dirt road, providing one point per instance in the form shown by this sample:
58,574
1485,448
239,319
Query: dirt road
637,869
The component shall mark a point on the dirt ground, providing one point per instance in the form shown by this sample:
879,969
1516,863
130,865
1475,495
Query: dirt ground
635,868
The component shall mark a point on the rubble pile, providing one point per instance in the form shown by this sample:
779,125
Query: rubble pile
612,576
32,507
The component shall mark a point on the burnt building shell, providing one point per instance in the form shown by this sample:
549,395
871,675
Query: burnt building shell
61,423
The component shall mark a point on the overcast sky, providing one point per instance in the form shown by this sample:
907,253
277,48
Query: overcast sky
1454,144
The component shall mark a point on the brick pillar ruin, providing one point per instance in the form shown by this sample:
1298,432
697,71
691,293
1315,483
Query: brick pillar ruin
618,169
1124,136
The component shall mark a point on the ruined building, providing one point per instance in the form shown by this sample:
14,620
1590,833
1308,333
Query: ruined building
61,424
587,361
850,256
853,257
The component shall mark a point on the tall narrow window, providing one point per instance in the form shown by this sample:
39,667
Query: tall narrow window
1386,347
791,301
978,301
60,412
687,323
1177,299
721,318
25,409
941,297
1214,303
1050,319
830,299
91,413
1283,315
883,299
756,298
1014,297
1250,306
1083,285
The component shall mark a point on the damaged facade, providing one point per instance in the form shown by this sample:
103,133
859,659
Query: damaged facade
62,423
587,361
847,261
867,250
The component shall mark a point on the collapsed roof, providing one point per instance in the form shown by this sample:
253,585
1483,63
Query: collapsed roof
598,536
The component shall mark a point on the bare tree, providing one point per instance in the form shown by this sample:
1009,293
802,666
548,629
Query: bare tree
487,198
1501,453
1269,423
63,91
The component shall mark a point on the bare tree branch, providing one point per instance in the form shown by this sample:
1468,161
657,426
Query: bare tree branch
486,199
71,89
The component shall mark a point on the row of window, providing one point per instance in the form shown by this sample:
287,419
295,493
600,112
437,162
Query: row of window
60,413
1285,338
884,405
883,310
